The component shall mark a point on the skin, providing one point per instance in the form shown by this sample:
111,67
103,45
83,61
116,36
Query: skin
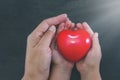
38,54
89,66
42,50
61,67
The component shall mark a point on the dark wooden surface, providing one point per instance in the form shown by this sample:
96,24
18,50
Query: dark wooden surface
19,17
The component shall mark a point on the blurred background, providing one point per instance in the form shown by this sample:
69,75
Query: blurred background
18,18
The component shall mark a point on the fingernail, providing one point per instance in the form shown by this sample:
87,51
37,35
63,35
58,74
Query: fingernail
84,22
52,28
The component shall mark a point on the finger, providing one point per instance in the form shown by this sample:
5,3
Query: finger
72,25
47,37
79,26
87,28
61,27
67,24
49,22
35,36
33,40
96,45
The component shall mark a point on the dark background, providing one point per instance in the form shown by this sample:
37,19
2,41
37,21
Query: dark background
19,17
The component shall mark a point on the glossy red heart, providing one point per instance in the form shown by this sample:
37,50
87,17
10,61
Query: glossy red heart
73,45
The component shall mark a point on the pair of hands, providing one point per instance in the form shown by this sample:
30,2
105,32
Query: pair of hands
42,49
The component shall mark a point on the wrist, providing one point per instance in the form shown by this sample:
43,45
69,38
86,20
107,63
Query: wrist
35,75
91,75
64,66
60,73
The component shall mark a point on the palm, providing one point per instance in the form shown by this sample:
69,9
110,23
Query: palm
89,60
93,57
56,56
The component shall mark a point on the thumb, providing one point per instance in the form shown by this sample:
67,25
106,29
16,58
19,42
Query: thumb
96,45
47,37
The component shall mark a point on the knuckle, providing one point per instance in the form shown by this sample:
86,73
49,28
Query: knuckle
45,20
28,37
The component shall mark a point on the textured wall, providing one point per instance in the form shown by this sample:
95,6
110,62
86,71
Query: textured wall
19,17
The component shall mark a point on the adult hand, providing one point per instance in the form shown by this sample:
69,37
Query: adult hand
38,54
89,66
61,67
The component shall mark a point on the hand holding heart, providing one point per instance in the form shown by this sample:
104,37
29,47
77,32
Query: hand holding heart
67,53
89,66
56,39
61,67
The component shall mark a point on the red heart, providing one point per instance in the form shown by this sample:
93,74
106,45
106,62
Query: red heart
74,45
